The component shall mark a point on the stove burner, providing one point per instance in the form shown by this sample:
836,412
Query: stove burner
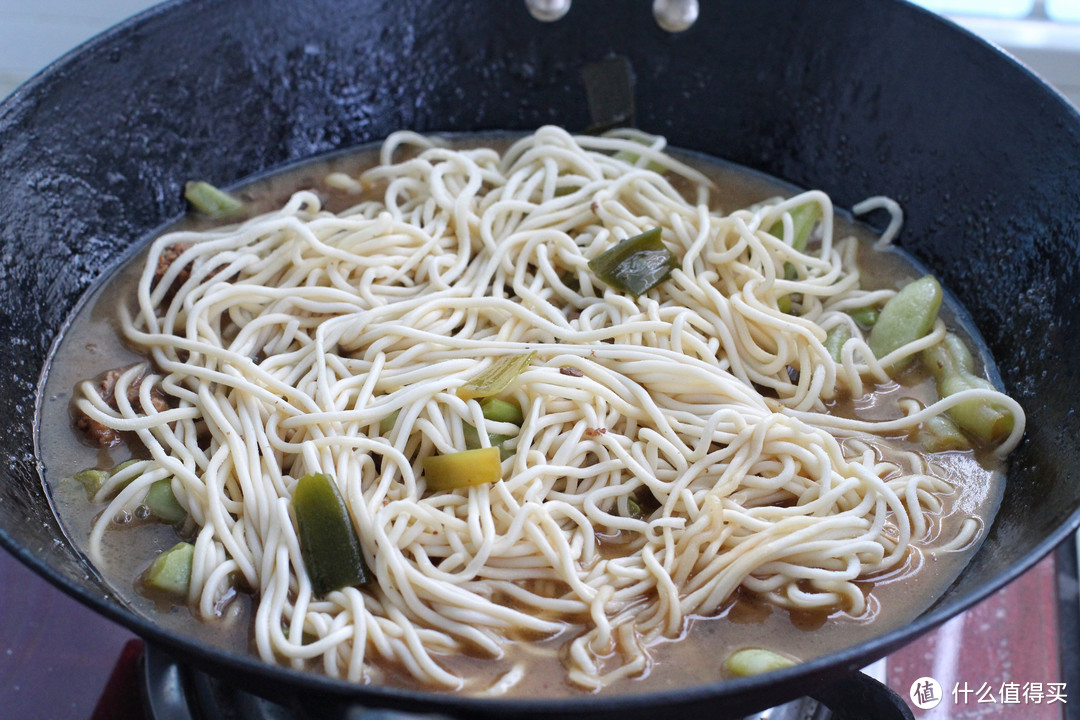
174,691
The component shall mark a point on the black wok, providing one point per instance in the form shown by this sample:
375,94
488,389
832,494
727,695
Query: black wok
855,97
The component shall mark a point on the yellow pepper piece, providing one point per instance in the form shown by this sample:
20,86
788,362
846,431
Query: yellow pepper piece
463,469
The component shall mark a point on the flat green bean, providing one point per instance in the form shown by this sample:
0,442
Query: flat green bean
163,503
940,433
906,317
209,200
866,316
952,366
171,570
835,340
803,219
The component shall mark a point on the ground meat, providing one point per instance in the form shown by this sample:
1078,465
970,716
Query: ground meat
165,261
102,436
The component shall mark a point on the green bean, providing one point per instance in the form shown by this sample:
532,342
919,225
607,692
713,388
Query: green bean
94,479
388,422
495,440
755,661
632,158
866,316
209,200
163,503
952,366
495,410
906,317
171,570
803,219
939,433
835,340
498,410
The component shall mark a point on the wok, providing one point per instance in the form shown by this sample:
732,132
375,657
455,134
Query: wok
856,98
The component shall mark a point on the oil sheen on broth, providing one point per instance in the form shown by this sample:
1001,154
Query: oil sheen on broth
91,346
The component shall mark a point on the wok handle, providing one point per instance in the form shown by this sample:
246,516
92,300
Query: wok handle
859,696
672,15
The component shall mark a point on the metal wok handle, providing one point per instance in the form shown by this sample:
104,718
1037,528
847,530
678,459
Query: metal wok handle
672,15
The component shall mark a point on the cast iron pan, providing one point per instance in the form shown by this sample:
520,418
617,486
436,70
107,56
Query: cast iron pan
855,97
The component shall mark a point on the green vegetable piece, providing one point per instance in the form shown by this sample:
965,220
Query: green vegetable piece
463,469
472,438
497,377
634,510
163,503
92,479
906,317
835,340
328,541
632,158
755,661
209,200
940,433
171,570
388,422
498,410
866,316
803,219
636,264
951,364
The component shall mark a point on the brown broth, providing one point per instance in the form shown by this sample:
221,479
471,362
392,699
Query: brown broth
91,346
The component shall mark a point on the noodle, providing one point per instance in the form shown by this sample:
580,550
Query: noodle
284,344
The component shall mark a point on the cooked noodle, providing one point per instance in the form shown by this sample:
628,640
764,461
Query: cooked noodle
284,342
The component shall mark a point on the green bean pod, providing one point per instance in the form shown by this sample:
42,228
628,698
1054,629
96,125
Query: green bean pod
171,570
163,503
209,200
907,316
865,316
499,410
803,219
940,433
952,366
835,339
